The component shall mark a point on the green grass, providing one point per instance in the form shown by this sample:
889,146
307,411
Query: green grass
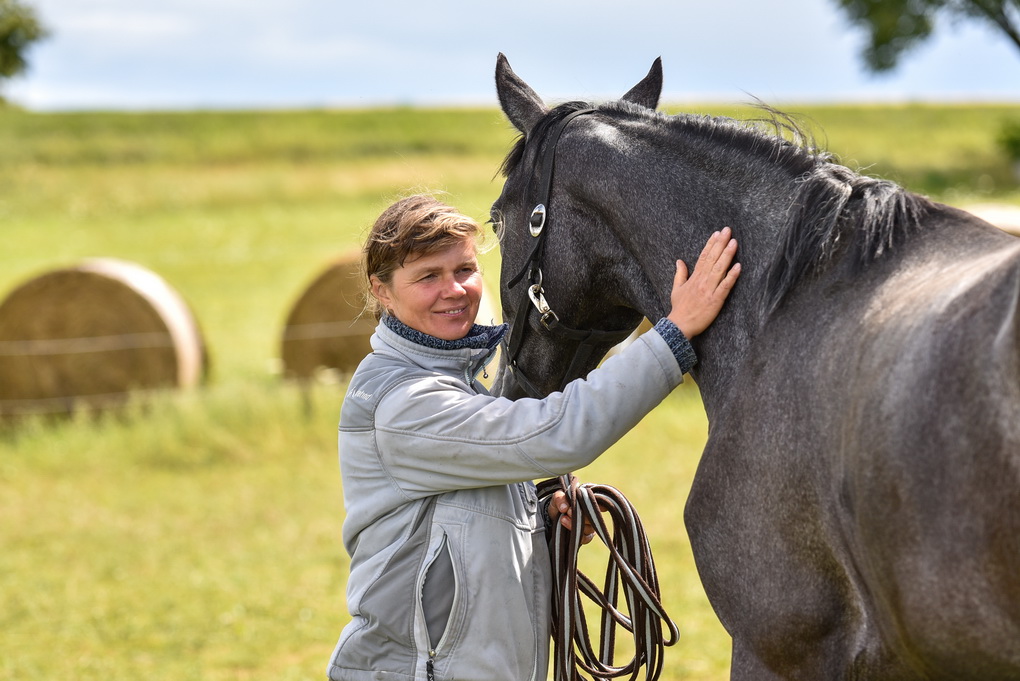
198,536
203,544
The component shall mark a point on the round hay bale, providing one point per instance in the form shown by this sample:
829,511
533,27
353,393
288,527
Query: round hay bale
328,328
90,335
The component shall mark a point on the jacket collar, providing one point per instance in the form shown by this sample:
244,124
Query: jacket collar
465,357
478,338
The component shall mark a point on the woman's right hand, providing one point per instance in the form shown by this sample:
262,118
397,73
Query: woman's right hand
560,511
697,300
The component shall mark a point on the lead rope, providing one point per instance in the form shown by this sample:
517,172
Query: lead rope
630,570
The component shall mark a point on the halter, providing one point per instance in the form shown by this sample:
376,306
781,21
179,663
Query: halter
550,321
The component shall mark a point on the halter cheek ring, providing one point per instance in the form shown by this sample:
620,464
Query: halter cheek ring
537,220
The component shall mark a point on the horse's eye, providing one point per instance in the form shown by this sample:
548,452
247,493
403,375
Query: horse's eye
495,219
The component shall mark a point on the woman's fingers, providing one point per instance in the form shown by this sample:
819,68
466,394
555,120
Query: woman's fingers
696,300
560,509
714,247
716,257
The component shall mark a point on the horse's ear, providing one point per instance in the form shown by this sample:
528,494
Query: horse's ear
647,92
520,103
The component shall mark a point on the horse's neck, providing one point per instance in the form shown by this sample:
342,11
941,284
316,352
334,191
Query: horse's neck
720,351
723,347
742,189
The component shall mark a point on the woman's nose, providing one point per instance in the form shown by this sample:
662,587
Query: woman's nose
453,288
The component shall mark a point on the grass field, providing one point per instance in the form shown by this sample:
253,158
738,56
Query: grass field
197,537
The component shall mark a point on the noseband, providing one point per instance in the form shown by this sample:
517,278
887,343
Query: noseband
588,339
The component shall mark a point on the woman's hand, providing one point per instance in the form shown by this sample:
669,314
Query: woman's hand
697,300
561,511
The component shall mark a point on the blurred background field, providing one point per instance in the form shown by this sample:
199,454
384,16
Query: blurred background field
197,536
239,211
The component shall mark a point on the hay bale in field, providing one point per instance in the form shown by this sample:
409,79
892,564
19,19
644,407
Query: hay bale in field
92,334
328,327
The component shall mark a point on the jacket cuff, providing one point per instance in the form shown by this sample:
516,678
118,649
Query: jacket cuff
678,343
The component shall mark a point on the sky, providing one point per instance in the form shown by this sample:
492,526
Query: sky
229,54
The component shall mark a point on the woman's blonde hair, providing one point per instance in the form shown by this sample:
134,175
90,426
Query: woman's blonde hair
410,228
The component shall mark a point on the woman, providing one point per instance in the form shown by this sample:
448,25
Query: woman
450,573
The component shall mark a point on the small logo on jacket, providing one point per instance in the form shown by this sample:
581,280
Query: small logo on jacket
359,393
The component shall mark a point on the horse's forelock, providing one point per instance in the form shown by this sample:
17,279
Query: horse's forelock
537,134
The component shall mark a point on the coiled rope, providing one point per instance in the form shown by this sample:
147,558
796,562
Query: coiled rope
630,571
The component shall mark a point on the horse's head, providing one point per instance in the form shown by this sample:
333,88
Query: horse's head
633,191
562,277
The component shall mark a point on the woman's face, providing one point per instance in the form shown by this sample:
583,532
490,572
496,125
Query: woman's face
437,294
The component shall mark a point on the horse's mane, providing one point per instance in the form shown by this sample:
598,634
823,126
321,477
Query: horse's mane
834,208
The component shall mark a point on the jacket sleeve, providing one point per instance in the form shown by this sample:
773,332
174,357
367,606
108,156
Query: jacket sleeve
434,436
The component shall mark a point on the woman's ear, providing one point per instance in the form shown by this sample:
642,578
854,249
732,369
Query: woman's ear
380,291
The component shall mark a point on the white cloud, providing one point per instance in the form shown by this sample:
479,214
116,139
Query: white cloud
305,52
132,26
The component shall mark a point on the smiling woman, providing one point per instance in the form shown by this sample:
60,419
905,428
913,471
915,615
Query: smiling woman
437,293
422,265
450,573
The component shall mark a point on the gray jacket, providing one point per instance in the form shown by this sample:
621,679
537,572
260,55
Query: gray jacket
449,574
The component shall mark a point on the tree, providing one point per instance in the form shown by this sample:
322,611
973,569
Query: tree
896,26
19,28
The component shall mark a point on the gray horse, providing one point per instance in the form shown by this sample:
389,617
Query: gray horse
856,511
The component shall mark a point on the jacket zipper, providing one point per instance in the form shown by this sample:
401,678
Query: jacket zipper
430,669
473,368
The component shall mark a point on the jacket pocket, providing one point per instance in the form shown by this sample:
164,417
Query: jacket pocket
437,590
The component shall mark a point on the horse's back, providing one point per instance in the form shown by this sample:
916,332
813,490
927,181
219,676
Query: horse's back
932,483
886,464
932,350
932,469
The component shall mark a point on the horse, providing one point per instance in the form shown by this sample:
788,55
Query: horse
855,513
